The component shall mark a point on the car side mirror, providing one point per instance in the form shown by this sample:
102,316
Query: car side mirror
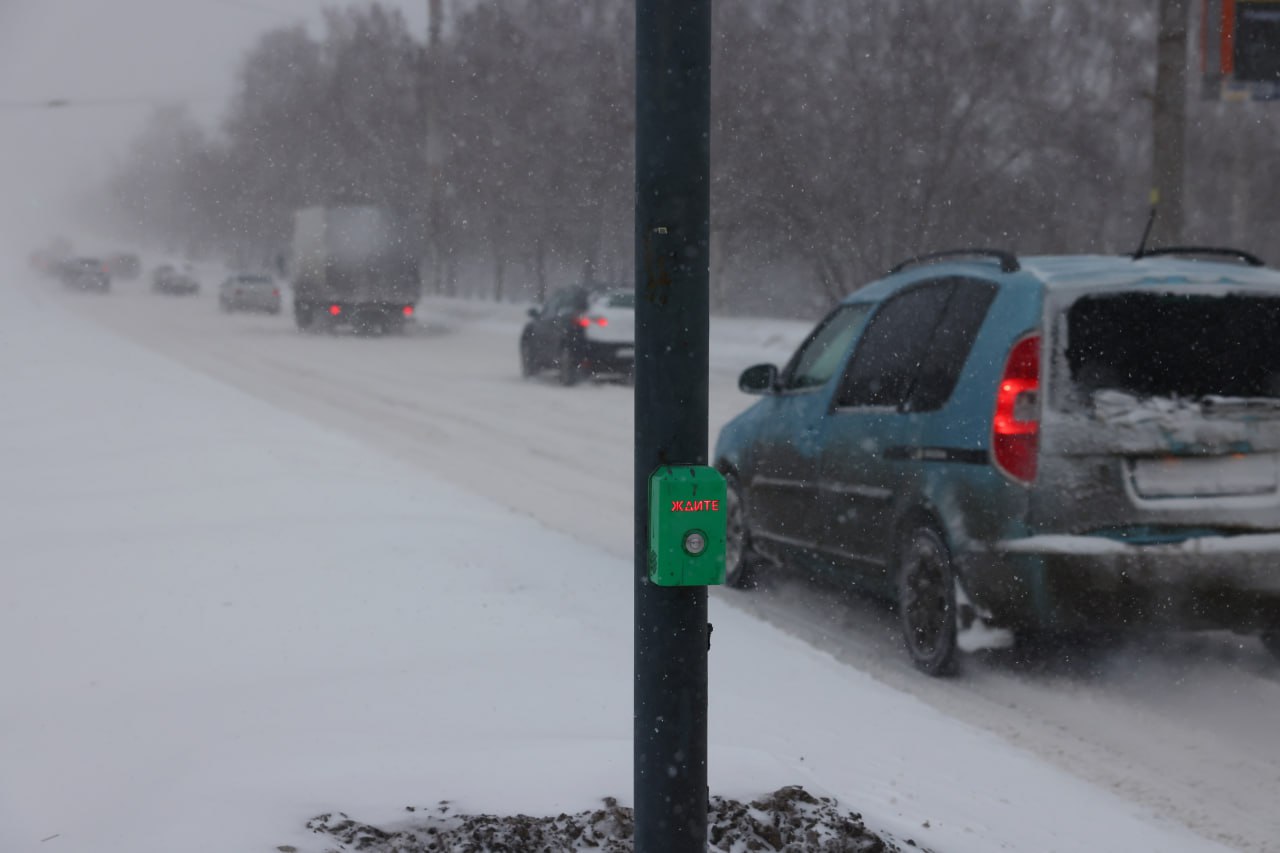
535,312
758,379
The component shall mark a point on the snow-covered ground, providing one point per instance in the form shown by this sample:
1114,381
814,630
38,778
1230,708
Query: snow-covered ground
241,589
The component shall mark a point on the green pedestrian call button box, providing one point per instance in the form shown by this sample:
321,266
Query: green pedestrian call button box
686,526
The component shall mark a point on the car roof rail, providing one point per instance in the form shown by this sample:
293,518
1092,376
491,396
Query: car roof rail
1008,260
1203,251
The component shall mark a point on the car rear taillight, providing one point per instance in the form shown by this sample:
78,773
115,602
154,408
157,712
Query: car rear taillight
582,322
586,322
275,291
1015,428
408,310
335,310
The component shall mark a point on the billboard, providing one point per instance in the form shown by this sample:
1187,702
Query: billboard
1240,49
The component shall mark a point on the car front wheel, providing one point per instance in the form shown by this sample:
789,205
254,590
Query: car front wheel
927,601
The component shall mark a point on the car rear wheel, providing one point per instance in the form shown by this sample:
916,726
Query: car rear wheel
304,315
927,601
739,569
567,363
1271,639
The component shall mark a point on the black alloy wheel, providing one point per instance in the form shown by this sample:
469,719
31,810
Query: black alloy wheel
927,601
738,565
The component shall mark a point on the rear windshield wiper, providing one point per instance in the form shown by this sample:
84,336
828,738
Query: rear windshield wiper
1240,404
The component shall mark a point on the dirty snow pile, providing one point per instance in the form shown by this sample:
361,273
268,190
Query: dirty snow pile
788,819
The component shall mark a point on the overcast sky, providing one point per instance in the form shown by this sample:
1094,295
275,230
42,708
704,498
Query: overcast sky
127,54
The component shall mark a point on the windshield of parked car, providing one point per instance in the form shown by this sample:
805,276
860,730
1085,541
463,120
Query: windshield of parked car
824,352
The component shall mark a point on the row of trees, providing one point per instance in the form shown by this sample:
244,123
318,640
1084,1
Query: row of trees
846,136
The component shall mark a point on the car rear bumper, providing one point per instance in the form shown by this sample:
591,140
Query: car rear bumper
1073,582
606,357
254,302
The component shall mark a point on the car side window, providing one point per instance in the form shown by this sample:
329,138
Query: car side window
822,354
950,343
885,365
570,302
555,305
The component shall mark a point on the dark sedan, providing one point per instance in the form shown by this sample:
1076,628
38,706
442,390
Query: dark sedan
581,332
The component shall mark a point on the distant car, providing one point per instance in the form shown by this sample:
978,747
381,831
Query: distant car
1053,446
166,278
124,265
249,292
85,274
581,332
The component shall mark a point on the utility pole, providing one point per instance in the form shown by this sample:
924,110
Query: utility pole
432,139
1169,124
672,261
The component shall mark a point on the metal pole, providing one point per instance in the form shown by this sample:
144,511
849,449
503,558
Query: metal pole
673,210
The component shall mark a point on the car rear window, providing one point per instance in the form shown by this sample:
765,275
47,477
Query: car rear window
623,299
1175,345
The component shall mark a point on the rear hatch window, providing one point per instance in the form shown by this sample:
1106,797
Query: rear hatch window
1183,387
1175,346
611,318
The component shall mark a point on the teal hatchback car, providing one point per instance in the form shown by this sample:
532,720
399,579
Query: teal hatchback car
1005,446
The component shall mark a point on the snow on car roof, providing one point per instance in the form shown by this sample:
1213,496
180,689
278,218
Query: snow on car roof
1065,273
1069,272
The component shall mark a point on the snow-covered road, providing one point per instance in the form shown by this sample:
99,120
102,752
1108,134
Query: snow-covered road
1185,728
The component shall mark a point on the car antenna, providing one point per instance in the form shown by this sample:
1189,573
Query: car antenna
1146,232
